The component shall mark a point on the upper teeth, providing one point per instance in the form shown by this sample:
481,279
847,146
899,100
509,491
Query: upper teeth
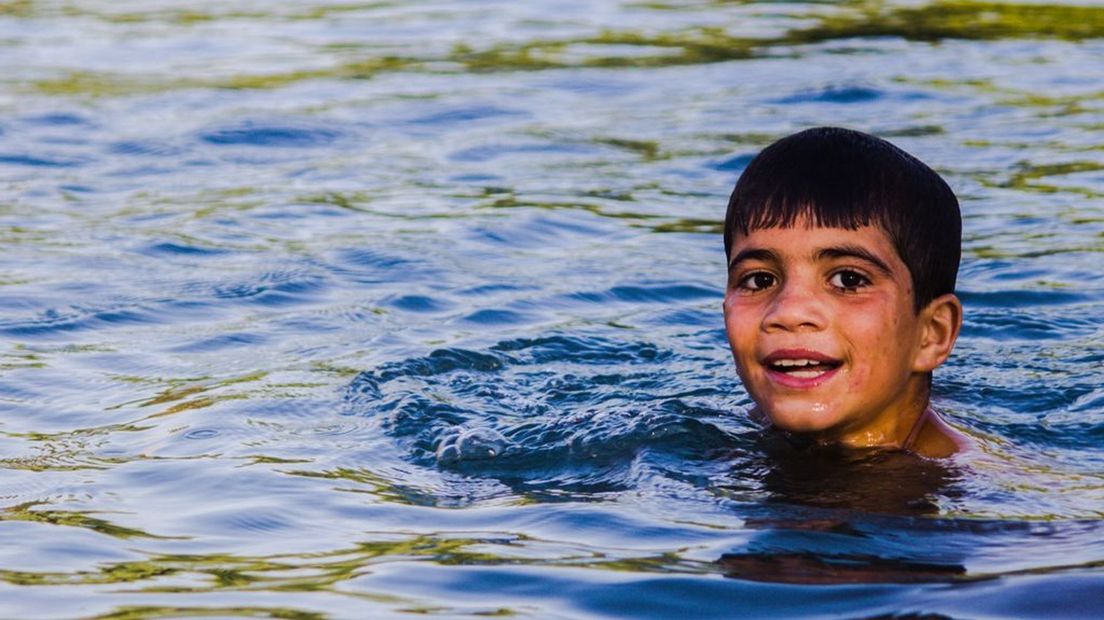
795,362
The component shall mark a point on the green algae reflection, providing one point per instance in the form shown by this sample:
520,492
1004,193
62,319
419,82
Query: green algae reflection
149,612
70,518
318,571
933,22
977,21
981,21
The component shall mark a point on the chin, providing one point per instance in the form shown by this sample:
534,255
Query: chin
800,419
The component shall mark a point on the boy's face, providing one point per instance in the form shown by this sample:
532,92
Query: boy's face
824,334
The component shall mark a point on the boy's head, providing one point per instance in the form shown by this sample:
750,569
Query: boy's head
840,178
843,252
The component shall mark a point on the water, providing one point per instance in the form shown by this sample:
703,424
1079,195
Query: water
371,309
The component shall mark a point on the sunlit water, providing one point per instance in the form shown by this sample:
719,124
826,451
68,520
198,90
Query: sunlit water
363,309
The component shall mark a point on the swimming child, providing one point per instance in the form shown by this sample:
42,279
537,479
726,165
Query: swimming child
842,256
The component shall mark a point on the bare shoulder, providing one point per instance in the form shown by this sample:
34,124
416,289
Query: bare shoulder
937,439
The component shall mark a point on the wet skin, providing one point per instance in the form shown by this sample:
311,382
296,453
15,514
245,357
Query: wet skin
827,342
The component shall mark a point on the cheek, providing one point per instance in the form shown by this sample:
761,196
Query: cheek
876,336
741,328
730,302
740,322
731,315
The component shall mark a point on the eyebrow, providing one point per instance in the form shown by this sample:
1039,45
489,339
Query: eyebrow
854,251
830,253
759,254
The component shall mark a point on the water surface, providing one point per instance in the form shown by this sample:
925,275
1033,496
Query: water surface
372,309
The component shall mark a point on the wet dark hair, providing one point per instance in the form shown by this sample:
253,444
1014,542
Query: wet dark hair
841,178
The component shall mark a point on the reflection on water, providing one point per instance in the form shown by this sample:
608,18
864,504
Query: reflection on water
812,569
369,309
896,483
846,488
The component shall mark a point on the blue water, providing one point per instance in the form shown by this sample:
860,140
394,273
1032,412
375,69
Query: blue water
368,310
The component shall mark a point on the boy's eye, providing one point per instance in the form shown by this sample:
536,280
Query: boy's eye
847,279
757,281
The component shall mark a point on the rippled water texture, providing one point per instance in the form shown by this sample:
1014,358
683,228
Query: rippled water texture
357,309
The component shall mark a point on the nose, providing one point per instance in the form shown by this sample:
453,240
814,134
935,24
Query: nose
795,307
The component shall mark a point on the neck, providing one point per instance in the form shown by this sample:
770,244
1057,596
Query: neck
895,427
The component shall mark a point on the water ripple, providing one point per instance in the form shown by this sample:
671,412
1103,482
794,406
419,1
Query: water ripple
1028,325
144,148
58,119
1023,298
274,288
37,162
511,417
836,94
465,114
56,321
265,134
653,293
172,248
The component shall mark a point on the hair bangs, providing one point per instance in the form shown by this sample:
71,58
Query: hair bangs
786,209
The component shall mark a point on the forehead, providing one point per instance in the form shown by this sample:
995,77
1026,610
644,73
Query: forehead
803,237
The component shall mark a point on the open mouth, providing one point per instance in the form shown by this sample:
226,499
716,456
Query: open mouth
802,368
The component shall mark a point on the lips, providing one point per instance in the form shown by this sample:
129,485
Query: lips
800,368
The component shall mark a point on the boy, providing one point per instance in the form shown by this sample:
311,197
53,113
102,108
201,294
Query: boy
842,256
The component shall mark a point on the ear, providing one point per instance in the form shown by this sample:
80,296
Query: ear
940,322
